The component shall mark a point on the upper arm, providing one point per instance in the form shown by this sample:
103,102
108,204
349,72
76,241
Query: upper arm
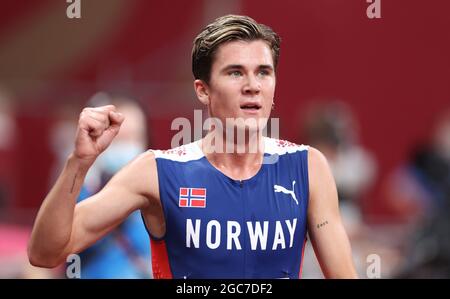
325,228
131,189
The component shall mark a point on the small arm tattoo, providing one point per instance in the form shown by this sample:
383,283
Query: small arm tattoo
73,183
322,224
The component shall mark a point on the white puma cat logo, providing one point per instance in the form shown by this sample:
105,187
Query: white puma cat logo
278,188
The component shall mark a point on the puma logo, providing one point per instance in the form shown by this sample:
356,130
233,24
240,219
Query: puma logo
278,188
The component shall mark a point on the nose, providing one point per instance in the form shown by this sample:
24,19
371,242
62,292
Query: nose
252,85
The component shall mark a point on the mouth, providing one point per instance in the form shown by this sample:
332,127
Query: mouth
251,107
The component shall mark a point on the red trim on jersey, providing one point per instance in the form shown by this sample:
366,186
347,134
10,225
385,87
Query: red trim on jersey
303,253
160,260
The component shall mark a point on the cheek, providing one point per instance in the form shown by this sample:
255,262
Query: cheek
225,96
269,92
269,98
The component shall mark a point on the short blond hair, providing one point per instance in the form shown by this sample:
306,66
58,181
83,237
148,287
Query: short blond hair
225,29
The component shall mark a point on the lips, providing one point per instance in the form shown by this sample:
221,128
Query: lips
251,106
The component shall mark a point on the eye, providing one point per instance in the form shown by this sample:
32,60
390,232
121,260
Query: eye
235,73
263,72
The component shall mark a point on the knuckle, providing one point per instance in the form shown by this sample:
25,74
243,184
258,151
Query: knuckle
106,109
102,113
82,119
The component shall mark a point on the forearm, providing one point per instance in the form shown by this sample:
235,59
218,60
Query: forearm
53,226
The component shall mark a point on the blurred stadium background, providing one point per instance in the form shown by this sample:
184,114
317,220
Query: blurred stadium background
372,94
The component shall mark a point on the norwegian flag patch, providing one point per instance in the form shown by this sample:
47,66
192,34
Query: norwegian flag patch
192,198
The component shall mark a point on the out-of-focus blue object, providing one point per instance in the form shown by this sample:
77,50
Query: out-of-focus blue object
123,253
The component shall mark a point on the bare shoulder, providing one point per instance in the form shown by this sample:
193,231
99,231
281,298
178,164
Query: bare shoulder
145,160
316,158
141,166
323,205
321,180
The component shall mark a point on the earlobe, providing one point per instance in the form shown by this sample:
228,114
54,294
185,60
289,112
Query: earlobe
201,89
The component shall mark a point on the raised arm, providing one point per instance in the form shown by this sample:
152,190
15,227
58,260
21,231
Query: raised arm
325,228
63,227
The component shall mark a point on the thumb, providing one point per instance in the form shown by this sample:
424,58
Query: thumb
116,118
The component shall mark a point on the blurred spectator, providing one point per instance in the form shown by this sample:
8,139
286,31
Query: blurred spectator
124,252
331,128
423,185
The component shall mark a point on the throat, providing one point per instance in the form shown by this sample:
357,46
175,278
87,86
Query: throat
233,164
236,171
236,166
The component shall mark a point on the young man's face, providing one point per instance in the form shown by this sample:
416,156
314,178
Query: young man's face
242,81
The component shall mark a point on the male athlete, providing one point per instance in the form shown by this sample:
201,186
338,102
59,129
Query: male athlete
210,213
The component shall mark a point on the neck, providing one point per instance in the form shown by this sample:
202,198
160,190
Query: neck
238,159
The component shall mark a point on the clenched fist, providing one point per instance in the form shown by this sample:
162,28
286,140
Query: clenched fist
97,127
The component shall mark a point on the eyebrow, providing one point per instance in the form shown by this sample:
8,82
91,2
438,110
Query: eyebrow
239,66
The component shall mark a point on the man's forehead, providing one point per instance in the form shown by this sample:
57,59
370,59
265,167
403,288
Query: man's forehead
244,53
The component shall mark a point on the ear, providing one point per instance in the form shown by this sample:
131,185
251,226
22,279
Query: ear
202,91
